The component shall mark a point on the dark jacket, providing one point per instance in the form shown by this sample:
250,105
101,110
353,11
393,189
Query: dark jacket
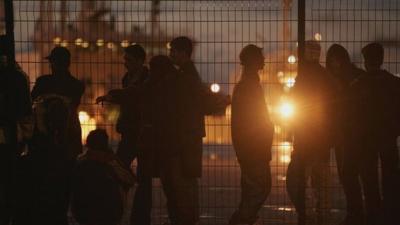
98,184
252,129
313,95
160,125
376,107
344,102
15,102
195,101
72,89
129,118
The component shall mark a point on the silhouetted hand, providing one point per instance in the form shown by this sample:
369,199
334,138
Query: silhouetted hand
104,98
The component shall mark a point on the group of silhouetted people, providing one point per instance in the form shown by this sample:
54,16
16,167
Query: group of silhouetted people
161,122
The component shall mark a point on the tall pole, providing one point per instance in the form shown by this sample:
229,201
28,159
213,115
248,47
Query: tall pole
301,36
9,19
301,30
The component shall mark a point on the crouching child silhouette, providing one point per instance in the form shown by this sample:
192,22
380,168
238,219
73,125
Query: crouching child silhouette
100,183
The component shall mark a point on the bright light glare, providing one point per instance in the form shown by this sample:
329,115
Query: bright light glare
286,110
290,82
78,41
83,117
87,123
317,36
285,158
215,88
291,59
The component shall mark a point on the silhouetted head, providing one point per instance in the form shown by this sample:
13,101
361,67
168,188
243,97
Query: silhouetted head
337,58
60,60
161,66
252,58
97,140
4,51
312,51
181,49
373,56
134,57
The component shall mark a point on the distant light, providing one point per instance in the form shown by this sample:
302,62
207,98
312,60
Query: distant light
290,82
64,43
215,88
280,74
291,59
57,40
168,45
78,41
277,129
213,156
285,158
285,147
110,45
133,43
85,44
286,110
124,43
317,36
100,42
83,117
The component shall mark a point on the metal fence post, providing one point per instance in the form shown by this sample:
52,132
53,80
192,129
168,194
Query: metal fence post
9,19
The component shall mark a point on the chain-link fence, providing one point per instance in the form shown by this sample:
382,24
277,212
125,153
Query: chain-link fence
96,32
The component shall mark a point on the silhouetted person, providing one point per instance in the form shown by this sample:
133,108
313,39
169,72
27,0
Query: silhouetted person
379,101
313,94
61,83
15,106
128,126
99,183
355,163
252,133
56,141
195,101
160,131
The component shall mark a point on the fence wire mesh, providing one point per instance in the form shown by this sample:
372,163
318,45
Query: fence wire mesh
97,31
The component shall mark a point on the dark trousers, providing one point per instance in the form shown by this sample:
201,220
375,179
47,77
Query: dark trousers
361,167
142,200
389,157
182,193
255,185
299,171
7,166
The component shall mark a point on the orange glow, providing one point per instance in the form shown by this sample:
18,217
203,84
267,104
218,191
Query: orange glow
286,110
87,124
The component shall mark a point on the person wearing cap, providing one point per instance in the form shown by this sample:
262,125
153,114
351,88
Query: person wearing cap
313,95
15,107
195,101
378,99
252,134
358,169
62,83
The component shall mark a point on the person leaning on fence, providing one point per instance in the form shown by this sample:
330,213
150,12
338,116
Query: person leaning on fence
379,102
99,184
252,133
358,169
195,101
15,107
313,95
